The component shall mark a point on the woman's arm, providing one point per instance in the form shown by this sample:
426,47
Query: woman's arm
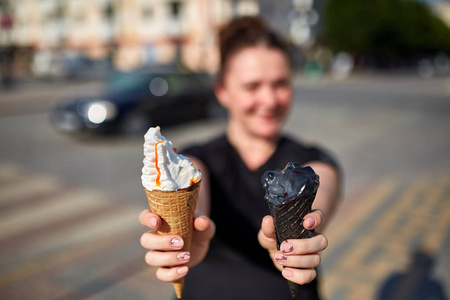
329,192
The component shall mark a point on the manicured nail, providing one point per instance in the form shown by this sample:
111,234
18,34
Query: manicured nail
153,222
280,257
203,218
176,242
183,256
287,273
182,270
286,247
309,222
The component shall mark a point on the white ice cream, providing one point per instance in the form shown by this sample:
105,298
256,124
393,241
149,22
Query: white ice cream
164,169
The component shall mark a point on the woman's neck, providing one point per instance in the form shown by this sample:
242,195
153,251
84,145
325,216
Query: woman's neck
253,150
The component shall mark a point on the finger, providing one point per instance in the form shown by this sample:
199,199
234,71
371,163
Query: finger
305,246
266,235
167,259
171,274
300,276
297,261
151,240
205,229
267,227
314,219
149,219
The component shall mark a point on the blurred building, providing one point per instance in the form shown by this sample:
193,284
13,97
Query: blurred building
131,33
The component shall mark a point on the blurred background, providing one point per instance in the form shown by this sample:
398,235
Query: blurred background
81,80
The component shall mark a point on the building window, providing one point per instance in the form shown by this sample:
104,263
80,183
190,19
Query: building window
175,8
109,11
147,12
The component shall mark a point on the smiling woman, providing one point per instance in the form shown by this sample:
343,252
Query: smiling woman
257,93
233,254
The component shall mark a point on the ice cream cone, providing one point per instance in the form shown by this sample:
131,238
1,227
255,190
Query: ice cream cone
288,222
288,218
177,210
290,194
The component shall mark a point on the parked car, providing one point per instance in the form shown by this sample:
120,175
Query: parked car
132,102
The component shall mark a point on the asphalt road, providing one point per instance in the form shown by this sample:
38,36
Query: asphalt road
376,125
78,237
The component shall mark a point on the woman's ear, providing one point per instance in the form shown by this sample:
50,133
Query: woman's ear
221,94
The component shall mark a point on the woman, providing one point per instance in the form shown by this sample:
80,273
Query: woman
233,249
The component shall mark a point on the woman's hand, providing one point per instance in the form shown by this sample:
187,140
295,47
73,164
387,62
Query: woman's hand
296,258
165,251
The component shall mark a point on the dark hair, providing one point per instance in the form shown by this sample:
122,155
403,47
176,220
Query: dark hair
246,32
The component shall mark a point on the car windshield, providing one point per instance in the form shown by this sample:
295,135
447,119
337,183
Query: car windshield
126,81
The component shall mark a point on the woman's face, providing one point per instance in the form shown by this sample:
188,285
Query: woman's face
256,91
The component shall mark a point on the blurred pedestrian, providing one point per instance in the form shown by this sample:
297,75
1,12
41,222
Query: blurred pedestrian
233,254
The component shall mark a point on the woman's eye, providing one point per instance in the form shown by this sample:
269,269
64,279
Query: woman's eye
282,84
252,87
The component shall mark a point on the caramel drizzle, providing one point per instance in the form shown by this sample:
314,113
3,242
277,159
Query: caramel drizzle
158,170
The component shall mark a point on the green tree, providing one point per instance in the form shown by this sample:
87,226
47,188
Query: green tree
384,30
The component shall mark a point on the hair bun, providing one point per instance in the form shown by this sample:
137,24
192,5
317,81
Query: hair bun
244,28
245,32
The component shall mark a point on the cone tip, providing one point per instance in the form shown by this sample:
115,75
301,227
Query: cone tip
178,286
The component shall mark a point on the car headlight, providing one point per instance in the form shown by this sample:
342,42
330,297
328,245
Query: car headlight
99,112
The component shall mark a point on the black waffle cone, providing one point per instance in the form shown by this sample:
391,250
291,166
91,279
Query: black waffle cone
288,222
290,194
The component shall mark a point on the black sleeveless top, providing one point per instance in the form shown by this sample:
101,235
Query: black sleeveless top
236,266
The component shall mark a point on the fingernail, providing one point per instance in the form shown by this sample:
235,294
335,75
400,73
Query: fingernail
203,218
287,273
286,247
309,222
281,258
183,256
152,222
176,242
182,270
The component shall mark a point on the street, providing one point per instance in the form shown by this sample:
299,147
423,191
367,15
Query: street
69,206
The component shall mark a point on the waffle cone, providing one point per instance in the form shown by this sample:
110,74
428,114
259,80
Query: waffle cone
177,210
288,222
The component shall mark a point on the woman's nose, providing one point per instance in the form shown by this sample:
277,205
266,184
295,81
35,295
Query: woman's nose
268,97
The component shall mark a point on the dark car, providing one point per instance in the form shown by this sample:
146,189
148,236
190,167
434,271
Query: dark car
132,102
